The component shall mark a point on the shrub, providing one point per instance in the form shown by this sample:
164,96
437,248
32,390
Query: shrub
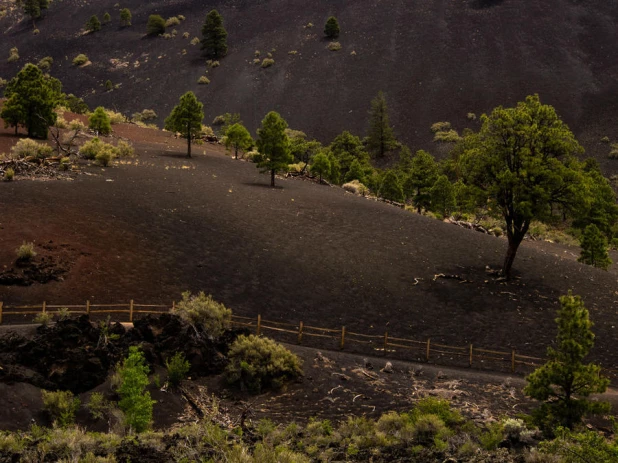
177,369
124,149
3,82
148,114
97,405
440,127
106,155
471,116
25,252
135,401
125,17
439,407
61,406
257,363
203,80
63,314
331,28
28,148
181,17
173,21
155,25
90,149
107,18
428,428
109,86
13,55
43,318
93,24
115,117
268,62
356,188
334,46
202,311
100,122
213,64
80,60
9,174
195,41
45,63
613,154
447,136
605,139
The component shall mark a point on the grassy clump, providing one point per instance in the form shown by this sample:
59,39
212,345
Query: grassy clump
268,62
80,60
173,21
613,154
61,406
9,174
203,80
257,363
334,46
124,149
25,252
356,188
28,148
177,369
13,55
204,314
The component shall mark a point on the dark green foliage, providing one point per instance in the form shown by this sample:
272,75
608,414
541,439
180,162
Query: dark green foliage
109,86
135,401
214,36
93,24
107,18
594,248
356,172
422,174
581,447
33,8
564,383
391,188
347,148
186,118
61,406
442,196
177,369
331,28
301,149
125,17
258,363
380,138
99,121
321,165
45,64
226,121
155,25
273,145
31,100
523,162
75,104
238,138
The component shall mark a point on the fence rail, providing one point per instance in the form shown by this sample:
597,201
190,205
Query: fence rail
382,344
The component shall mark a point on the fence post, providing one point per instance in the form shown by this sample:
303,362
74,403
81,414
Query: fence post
259,325
44,306
88,307
385,341
428,344
1,312
513,361
131,311
470,354
342,337
300,332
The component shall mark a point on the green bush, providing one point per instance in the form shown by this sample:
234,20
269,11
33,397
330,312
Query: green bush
109,86
43,318
93,24
45,64
25,252
97,405
177,369
100,122
203,80
441,127
447,136
90,149
439,407
257,363
124,149
203,312
268,62
155,25
429,428
173,21
334,46
106,155
80,59
28,148
9,174
61,406
107,18
356,188
613,154
13,55
135,401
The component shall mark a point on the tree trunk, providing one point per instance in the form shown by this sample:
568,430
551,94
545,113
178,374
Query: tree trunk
188,140
236,153
514,242
272,177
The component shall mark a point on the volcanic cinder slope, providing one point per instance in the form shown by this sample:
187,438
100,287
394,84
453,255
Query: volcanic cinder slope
436,60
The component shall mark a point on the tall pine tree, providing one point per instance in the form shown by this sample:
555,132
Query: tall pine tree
273,145
565,382
33,8
421,177
380,138
214,36
594,248
186,118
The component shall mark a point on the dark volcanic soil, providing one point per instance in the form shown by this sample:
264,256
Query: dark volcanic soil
437,60
152,227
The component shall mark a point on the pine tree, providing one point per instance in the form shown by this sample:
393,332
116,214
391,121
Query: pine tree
356,172
331,28
320,165
186,118
99,121
125,17
33,8
93,24
239,138
380,138
442,196
564,383
31,98
155,25
214,36
422,175
594,248
347,148
391,188
107,18
273,145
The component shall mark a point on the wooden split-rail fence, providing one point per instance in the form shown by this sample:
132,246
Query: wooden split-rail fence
341,338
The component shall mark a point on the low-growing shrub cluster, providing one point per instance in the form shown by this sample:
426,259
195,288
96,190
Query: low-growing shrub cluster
268,62
104,153
204,313
25,251
80,60
28,148
13,55
61,406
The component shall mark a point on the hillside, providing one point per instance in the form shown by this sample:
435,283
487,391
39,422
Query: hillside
436,60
